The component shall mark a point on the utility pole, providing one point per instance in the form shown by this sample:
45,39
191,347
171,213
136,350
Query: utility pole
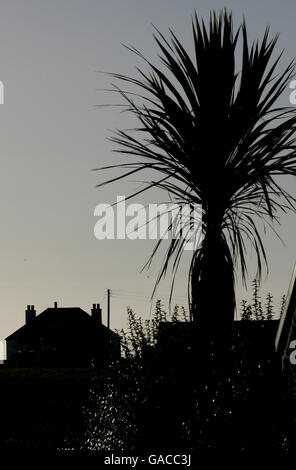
108,308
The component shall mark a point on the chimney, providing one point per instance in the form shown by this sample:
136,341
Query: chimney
55,305
30,313
96,313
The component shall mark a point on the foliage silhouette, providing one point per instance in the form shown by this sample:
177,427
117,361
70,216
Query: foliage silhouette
142,334
212,130
254,310
112,415
155,401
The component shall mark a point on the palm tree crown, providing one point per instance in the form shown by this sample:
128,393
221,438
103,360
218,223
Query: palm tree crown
215,135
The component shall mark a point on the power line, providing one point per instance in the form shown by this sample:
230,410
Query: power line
145,294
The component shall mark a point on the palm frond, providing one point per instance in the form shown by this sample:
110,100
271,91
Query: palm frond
213,131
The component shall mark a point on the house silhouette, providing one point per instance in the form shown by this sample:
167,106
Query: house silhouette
62,337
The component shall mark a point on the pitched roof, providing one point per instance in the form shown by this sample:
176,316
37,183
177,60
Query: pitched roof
71,318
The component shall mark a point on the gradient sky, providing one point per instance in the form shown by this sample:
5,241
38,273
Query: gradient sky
52,135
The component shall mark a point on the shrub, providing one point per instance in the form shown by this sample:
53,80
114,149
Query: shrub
118,395
255,310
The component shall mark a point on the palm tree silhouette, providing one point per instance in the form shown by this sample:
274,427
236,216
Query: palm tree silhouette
217,138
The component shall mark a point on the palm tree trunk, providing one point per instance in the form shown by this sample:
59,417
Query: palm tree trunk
212,283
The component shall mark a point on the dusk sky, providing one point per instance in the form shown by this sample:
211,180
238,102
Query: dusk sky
52,135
